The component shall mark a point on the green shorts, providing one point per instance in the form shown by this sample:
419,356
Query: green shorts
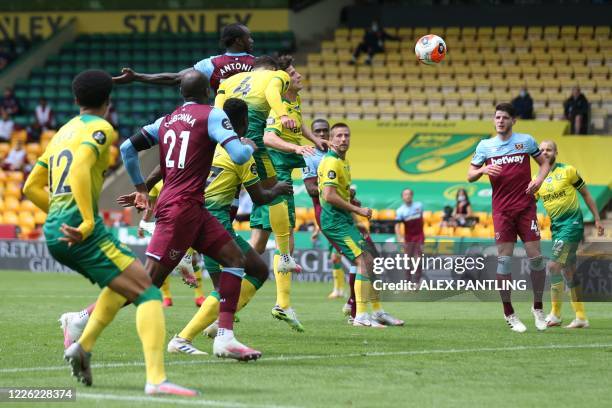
347,237
100,258
283,163
222,215
566,239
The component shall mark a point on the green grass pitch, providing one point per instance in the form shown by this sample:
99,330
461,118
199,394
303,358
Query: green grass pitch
449,354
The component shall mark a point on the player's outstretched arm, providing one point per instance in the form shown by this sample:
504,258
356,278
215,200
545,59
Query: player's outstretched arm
273,93
330,195
154,177
261,196
274,141
80,183
165,78
34,187
588,199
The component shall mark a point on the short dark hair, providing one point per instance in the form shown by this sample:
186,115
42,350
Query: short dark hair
266,61
339,125
92,88
284,62
506,107
231,33
237,112
319,120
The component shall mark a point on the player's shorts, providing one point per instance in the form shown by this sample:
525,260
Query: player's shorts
566,239
317,208
347,238
100,258
522,222
182,225
223,216
260,214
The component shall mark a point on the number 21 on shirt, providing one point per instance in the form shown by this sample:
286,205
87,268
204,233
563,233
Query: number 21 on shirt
171,139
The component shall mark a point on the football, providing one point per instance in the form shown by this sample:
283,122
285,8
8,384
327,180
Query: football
430,49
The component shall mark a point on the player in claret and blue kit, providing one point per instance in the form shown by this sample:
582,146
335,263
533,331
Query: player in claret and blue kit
505,158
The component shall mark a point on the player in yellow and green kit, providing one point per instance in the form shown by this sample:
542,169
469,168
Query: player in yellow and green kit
560,199
188,268
262,90
72,168
287,153
338,225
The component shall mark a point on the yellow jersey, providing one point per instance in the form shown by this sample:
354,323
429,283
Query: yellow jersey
273,123
91,131
225,178
559,194
336,172
251,87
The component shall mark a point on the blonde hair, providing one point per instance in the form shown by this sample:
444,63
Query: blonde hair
552,143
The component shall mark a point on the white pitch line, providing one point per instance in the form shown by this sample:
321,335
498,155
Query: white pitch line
162,400
327,356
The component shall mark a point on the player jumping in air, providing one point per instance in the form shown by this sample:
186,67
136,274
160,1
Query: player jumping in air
505,159
558,194
73,167
338,225
262,90
236,38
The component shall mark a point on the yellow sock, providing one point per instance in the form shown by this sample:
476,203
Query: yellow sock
279,221
198,274
206,314
338,275
557,287
361,294
374,298
165,289
151,328
283,285
108,304
578,305
247,291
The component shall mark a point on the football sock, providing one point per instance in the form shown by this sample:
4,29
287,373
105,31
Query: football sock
557,286
538,279
361,294
577,303
108,304
229,290
151,328
205,316
505,295
165,289
279,221
338,276
198,292
283,285
374,298
351,301
248,288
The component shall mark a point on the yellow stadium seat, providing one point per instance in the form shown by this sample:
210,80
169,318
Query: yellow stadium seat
4,149
405,32
482,86
568,32
13,190
27,205
342,32
585,32
386,214
337,112
386,112
33,148
473,113
455,113
315,59
454,98
19,135
430,230
446,232
328,46
420,112
463,232
384,99
403,112
485,32
501,32
10,217
1,219
437,112
1,202
468,33
602,32
26,218
355,113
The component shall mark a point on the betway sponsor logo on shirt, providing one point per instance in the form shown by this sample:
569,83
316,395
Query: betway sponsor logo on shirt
517,159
